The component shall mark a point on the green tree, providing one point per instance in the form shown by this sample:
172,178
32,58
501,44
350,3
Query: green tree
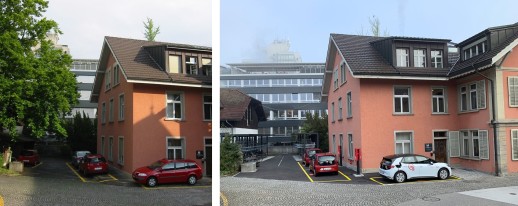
150,31
375,27
82,132
36,86
231,156
316,124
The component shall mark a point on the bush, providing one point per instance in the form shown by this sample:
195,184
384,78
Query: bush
231,157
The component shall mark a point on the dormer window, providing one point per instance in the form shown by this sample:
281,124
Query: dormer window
206,66
437,58
419,57
192,65
402,57
475,49
174,64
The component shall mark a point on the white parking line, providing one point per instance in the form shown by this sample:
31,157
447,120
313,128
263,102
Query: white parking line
280,161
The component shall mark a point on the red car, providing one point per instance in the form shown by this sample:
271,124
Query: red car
324,163
306,159
168,171
30,157
93,164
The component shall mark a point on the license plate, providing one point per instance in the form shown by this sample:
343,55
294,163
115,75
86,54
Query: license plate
98,168
325,169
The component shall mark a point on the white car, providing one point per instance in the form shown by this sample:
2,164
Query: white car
400,167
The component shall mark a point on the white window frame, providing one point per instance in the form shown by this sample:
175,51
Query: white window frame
471,92
122,107
420,59
111,112
343,76
107,80
464,103
512,84
403,58
473,138
349,104
465,139
403,142
333,111
437,60
120,150
435,98
350,144
207,103
174,102
335,79
103,113
116,75
400,97
175,148
340,108
514,144
110,146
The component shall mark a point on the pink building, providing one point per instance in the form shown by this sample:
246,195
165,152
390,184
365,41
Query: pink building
154,101
391,95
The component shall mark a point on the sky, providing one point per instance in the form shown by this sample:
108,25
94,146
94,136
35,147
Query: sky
85,23
248,26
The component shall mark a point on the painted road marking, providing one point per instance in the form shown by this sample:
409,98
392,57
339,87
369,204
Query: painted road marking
1,201
37,165
173,187
344,175
73,170
224,199
416,181
280,161
303,170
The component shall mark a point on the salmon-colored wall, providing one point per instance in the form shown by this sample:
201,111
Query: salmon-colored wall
151,128
374,132
512,165
511,113
144,127
512,59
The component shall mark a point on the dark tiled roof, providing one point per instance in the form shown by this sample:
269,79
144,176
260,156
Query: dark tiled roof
361,56
234,104
481,60
137,63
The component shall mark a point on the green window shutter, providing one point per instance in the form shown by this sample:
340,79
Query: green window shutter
483,144
481,94
454,143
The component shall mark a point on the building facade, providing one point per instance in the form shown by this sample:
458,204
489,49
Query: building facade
154,102
84,69
239,113
287,91
393,95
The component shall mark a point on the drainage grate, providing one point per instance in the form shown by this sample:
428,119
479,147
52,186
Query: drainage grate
431,199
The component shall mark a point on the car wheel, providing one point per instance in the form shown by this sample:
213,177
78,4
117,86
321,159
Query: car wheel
443,174
192,180
400,177
151,181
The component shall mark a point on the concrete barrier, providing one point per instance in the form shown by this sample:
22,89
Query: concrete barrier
249,167
16,166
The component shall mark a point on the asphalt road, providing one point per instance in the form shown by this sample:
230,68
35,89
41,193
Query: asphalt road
55,183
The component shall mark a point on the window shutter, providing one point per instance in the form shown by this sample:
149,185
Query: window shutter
513,96
483,145
454,144
481,94
514,144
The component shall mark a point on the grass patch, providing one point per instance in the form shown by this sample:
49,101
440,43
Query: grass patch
5,171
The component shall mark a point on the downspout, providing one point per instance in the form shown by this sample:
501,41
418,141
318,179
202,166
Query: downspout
493,118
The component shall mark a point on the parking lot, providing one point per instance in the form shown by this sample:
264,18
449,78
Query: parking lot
288,167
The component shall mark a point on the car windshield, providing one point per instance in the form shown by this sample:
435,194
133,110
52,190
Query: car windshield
27,153
82,153
326,160
155,165
97,159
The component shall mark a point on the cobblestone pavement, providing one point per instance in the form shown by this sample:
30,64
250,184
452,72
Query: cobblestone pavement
254,191
42,187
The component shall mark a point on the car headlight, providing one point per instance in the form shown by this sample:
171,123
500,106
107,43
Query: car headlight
142,174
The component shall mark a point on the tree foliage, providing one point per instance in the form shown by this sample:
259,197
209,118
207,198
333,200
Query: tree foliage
316,124
150,31
375,27
36,86
82,132
231,156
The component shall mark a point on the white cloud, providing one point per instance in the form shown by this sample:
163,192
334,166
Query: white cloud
85,23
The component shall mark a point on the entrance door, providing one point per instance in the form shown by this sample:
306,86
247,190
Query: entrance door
440,150
208,157
341,150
